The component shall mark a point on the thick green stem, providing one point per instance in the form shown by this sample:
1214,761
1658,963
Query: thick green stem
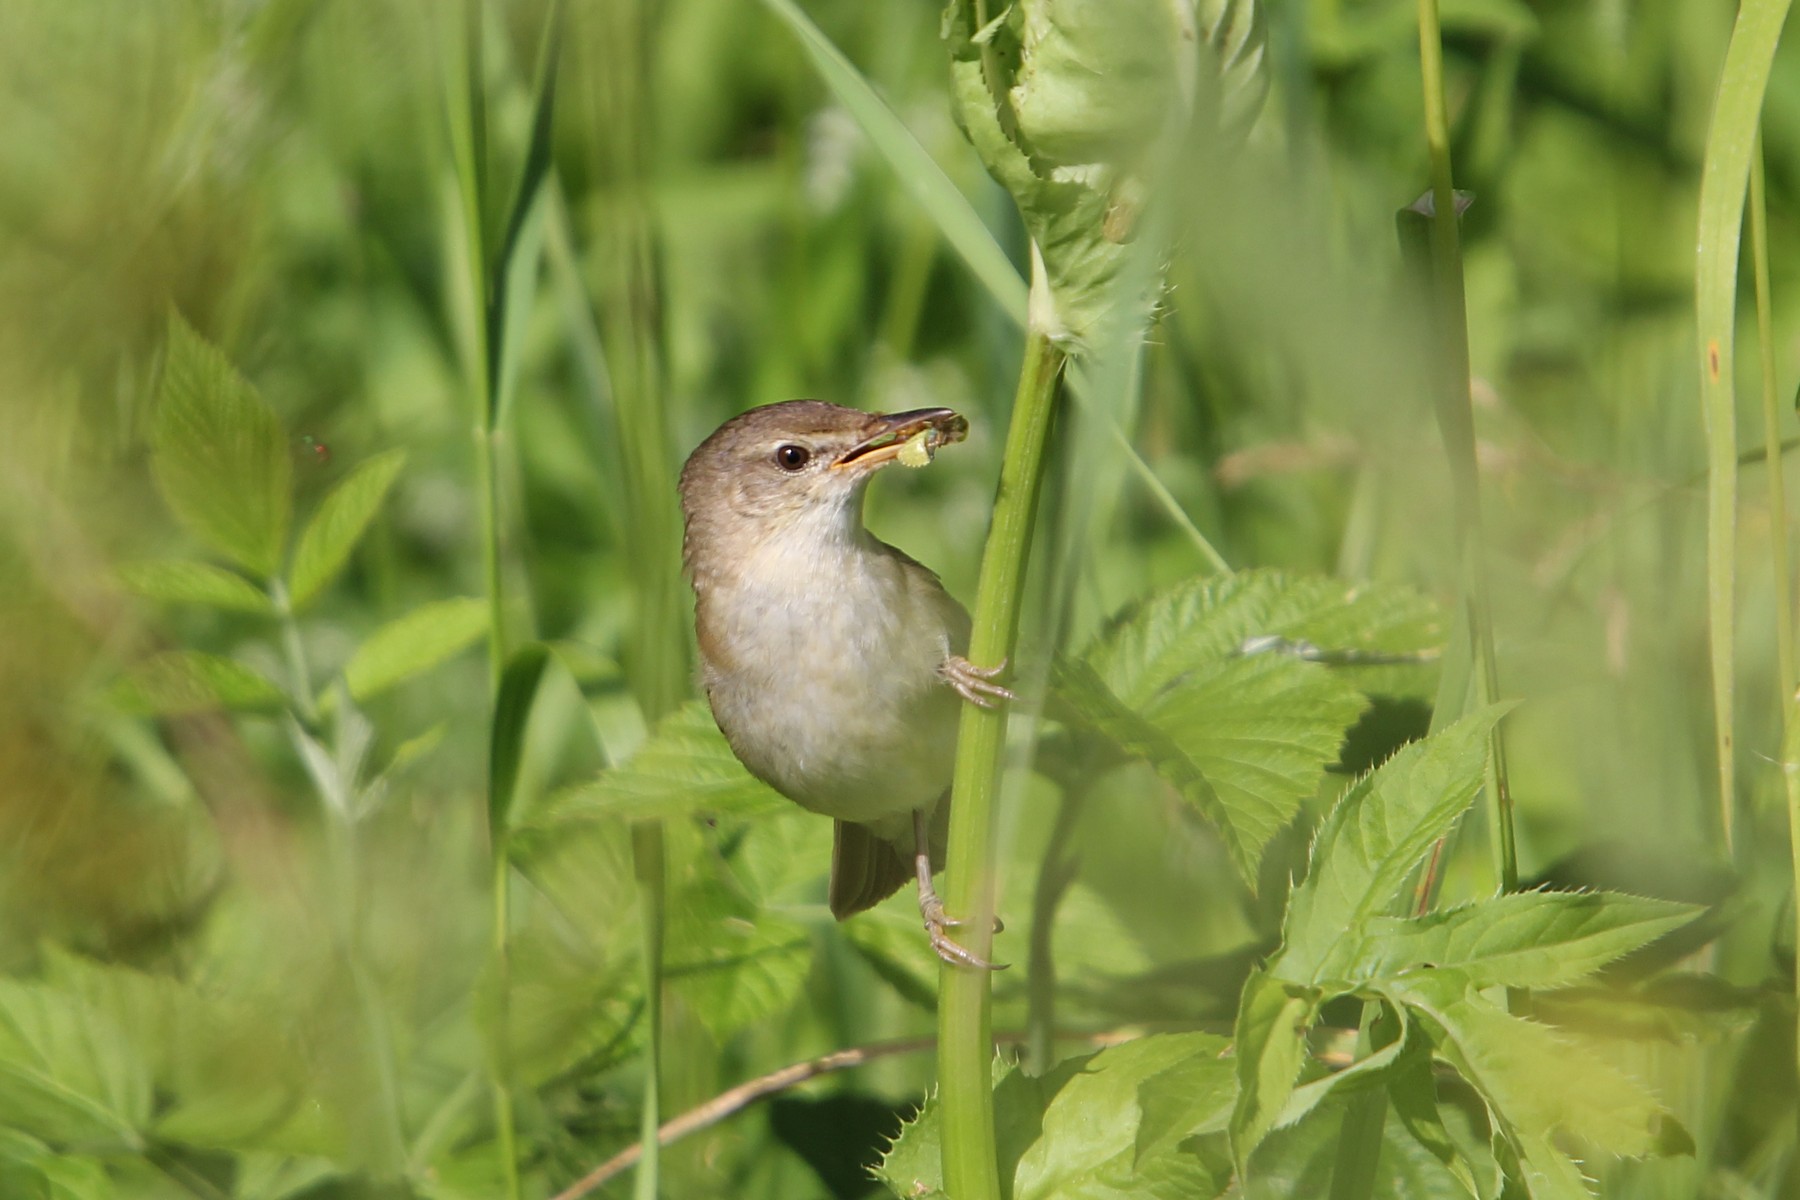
965,1041
1456,423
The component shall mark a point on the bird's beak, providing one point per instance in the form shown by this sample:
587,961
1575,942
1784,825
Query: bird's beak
893,430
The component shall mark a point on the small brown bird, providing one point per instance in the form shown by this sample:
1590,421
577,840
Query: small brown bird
831,659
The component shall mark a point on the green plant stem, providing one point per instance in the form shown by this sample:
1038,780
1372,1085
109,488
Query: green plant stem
965,1043
647,855
1790,773
631,331
1785,677
1456,423
1054,877
294,650
1724,176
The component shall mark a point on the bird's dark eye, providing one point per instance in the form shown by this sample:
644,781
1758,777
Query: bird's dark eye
791,457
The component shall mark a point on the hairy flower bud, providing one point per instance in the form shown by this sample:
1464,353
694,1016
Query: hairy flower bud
1077,106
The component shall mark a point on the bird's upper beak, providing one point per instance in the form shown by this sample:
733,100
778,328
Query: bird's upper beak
890,431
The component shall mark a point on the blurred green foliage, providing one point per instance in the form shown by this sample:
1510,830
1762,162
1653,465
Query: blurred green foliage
258,946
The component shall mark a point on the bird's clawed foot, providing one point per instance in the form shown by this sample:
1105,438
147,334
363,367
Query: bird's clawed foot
938,924
975,684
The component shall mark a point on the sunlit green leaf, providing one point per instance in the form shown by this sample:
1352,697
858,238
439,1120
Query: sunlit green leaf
1510,1060
685,767
342,518
732,964
1223,686
175,582
1272,1023
220,454
1523,940
1074,1133
413,644
68,1074
183,681
1373,840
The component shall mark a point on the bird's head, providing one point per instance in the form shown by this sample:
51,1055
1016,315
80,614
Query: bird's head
796,466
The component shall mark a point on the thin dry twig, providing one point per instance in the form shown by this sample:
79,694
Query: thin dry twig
745,1094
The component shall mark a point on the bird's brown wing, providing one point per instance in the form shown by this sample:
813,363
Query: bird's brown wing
865,869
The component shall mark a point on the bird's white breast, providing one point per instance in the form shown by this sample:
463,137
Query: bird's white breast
821,664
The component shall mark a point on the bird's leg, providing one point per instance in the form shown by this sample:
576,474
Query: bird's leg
938,923
975,684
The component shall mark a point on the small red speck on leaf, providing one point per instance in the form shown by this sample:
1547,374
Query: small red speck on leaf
1712,359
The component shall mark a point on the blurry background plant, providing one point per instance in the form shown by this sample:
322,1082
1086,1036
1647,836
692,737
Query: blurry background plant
245,899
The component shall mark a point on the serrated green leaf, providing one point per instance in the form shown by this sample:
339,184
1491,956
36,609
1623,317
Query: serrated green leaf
685,766
1523,940
175,582
1412,1091
184,681
1272,1022
1244,737
1509,1059
1073,1133
1374,838
1088,1145
68,1074
413,644
732,964
342,518
1156,643
220,455
1391,1031
1672,1007
1244,740
1193,1096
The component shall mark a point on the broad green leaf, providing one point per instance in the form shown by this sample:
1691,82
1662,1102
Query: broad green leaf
342,518
1512,1062
1302,1162
1158,643
263,1176
1523,940
1245,734
1672,1007
1414,1096
1243,740
1372,841
732,964
685,767
567,1005
1546,1172
506,737
68,1074
1272,1023
413,644
174,582
1073,1133
1392,1030
184,681
1192,1097
1089,1143
220,455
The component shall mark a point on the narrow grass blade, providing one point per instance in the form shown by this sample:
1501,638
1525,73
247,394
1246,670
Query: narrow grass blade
1724,174
915,169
